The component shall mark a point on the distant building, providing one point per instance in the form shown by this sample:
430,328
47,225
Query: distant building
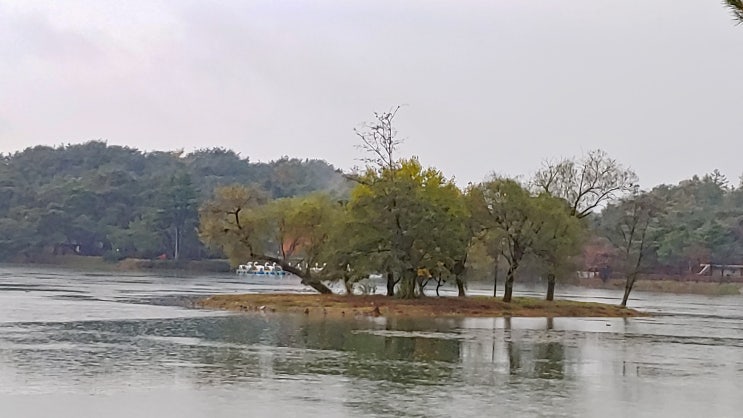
603,272
721,270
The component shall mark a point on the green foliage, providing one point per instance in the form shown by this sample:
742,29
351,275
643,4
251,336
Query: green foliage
16,238
632,226
404,218
245,224
400,220
100,198
699,222
302,228
515,223
233,221
559,238
177,213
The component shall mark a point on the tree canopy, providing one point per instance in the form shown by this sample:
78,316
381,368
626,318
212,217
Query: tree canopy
518,223
396,217
99,199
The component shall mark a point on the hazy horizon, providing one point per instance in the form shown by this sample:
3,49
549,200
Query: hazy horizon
485,87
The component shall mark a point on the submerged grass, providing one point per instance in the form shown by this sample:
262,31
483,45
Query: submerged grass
700,288
377,305
669,286
96,263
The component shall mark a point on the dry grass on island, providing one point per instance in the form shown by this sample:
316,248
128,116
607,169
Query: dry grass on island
377,305
669,285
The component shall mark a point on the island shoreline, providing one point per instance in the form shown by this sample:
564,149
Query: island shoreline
378,305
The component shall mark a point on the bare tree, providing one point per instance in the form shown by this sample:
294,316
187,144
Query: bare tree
587,183
379,138
630,226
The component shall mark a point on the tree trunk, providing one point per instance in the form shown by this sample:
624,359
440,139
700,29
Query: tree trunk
495,278
307,279
509,283
407,286
348,285
628,288
317,285
177,252
390,284
421,285
550,287
439,283
460,286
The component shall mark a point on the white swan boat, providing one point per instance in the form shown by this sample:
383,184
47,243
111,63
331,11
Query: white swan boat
260,269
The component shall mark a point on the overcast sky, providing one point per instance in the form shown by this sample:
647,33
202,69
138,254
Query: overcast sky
486,86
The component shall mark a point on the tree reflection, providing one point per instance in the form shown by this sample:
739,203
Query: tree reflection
535,357
514,353
549,360
251,347
397,351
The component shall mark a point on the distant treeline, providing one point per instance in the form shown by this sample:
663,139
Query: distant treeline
99,199
699,220
118,202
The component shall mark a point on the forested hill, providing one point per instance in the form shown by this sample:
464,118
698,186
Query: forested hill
699,220
95,198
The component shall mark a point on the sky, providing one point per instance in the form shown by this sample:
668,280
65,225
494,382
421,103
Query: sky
496,86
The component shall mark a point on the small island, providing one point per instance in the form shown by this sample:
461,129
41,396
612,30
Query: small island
378,305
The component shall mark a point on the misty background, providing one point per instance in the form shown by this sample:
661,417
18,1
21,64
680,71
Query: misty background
485,85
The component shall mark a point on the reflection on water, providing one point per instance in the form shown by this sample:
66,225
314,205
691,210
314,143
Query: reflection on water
114,349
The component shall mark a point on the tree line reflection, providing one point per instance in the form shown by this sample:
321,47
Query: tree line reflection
232,349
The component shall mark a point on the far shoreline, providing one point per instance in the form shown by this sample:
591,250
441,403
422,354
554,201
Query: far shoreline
669,285
316,305
98,263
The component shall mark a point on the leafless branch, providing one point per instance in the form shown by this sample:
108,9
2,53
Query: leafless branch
379,138
585,184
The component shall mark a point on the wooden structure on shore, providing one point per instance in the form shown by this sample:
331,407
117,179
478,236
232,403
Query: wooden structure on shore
721,270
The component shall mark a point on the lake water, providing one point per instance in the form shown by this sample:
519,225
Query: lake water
75,344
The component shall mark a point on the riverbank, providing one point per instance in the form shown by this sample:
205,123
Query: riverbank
377,305
707,288
94,263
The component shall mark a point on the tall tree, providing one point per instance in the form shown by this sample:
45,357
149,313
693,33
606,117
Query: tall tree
179,210
413,218
631,226
504,206
585,183
700,224
238,221
379,140
491,238
301,227
558,239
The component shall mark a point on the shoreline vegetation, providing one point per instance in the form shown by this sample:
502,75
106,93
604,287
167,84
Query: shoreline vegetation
94,263
316,305
660,285
670,285
166,212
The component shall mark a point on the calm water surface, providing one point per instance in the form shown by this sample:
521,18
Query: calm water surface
76,344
